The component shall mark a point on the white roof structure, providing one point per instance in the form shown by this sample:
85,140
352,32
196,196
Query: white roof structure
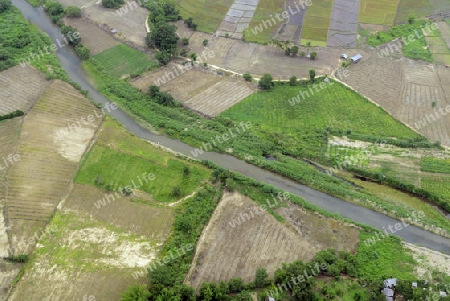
390,282
356,57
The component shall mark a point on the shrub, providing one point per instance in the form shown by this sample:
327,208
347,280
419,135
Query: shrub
4,5
72,11
112,3
16,113
312,75
302,54
185,41
265,83
19,258
83,52
136,293
313,55
163,57
293,80
183,52
247,77
261,277
236,285
205,42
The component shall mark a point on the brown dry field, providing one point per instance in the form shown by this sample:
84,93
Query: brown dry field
48,160
130,26
13,95
94,37
406,89
8,272
241,57
224,252
200,89
120,238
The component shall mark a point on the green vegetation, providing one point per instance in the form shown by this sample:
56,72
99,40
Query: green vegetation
72,11
19,39
433,164
112,3
14,114
412,7
416,48
113,169
123,60
265,10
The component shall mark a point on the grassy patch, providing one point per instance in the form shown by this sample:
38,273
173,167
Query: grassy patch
123,60
435,165
418,50
377,11
437,184
122,166
343,289
207,14
384,258
417,8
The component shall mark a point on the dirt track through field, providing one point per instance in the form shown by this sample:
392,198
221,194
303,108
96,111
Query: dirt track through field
343,24
224,251
48,159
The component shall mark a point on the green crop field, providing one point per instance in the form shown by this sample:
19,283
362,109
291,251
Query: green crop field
206,14
317,22
335,107
119,165
123,60
432,164
377,11
439,185
264,11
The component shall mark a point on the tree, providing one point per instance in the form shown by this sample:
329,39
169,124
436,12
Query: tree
163,36
411,19
194,26
205,42
72,11
302,54
247,77
287,51
293,80
312,75
4,5
188,22
153,91
261,277
185,41
136,293
265,83
193,56
313,55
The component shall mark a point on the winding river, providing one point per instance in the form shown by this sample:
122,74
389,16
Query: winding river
71,63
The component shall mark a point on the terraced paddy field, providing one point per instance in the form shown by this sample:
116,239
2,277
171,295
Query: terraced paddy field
343,25
94,37
264,12
199,89
48,159
377,11
13,96
225,250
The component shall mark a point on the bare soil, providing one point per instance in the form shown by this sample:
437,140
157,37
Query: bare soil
224,251
13,96
94,37
48,160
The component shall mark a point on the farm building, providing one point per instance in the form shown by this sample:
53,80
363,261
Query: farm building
344,56
356,58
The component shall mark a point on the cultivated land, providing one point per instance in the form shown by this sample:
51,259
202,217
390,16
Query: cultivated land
377,11
264,12
411,91
94,37
224,251
48,160
343,24
316,23
200,89
122,60
13,96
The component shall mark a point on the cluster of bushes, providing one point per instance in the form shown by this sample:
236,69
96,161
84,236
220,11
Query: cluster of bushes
190,23
402,30
22,258
16,113
4,5
56,11
410,143
112,3
162,98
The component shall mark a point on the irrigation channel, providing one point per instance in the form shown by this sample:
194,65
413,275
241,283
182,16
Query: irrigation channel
72,64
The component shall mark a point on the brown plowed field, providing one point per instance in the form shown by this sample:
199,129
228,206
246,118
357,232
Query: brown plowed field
94,37
20,87
224,251
409,90
48,160
200,89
